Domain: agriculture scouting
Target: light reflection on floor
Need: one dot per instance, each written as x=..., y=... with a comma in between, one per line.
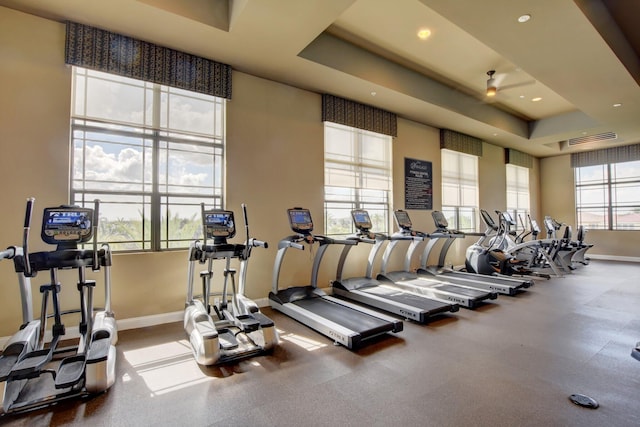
x=170, y=366
x=304, y=342
x=166, y=367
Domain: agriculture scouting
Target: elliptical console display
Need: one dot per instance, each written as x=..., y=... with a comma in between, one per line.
x=71, y=224
x=219, y=223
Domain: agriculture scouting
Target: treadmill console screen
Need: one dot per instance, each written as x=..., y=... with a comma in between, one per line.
x=402, y=219
x=361, y=219
x=219, y=223
x=67, y=224
x=300, y=220
x=440, y=220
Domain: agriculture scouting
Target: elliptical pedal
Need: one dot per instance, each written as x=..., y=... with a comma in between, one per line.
x=265, y=322
x=70, y=371
x=31, y=365
x=99, y=349
x=11, y=355
x=227, y=340
x=247, y=323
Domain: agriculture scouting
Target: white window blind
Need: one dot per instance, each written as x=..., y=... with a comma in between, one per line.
x=357, y=176
x=460, y=189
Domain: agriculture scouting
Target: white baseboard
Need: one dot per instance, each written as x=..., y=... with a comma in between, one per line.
x=133, y=323
x=614, y=258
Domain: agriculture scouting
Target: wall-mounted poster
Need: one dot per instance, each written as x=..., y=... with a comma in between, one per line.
x=418, y=185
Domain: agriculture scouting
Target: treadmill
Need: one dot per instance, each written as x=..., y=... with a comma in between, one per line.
x=500, y=284
x=344, y=322
x=383, y=296
x=408, y=280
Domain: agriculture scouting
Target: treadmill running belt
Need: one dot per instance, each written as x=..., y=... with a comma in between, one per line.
x=358, y=322
x=472, y=293
x=405, y=298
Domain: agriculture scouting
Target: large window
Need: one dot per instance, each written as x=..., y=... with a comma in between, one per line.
x=357, y=176
x=150, y=153
x=518, y=193
x=608, y=196
x=460, y=190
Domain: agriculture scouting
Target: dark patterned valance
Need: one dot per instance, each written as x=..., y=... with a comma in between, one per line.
x=456, y=141
x=361, y=116
x=518, y=158
x=101, y=50
x=622, y=154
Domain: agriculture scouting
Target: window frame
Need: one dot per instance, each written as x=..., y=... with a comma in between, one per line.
x=608, y=185
x=161, y=200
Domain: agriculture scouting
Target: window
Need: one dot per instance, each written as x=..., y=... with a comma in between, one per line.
x=460, y=190
x=608, y=196
x=150, y=153
x=357, y=176
x=518, y=193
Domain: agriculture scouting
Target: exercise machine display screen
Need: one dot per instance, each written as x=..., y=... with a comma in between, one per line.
x=487, y=219
x=403, y=220
x=361, y=219
x=508, y=218
x=67, y=224
x=440, y=220
x=300, y=220
x=219, y=223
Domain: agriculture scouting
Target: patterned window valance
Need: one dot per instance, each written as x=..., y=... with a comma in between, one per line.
x=518, y=158
x=622, y=154
x=456, y=141
x=361, y=116
x=113, y=53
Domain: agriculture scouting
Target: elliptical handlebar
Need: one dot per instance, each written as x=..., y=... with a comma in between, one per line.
x=25, y=237
x=96, y=216
x=258, y=243
x=9, y=253
x=250, y=242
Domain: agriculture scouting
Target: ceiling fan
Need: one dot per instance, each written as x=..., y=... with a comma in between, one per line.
x=493, y=83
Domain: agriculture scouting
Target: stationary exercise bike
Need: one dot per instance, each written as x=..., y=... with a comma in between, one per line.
x=240, y=329
x=35, y=373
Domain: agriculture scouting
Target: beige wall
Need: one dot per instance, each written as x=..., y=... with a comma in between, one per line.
x=558, y=201
x=274, y=161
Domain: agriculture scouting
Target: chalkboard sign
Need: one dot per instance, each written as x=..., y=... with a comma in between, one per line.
x=418, y=185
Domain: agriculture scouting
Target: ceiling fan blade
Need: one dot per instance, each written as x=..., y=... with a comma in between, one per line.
x=515, y=85
x=498, y=78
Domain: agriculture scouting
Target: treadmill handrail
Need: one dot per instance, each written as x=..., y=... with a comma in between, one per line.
x=376, y=241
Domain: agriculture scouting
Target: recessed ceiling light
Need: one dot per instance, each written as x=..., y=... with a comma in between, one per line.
x=424, y=34
x=495, y=134
x=524, y=18
x=536, y=99
x=374, y=93
x=617, y=105
x=521, y=96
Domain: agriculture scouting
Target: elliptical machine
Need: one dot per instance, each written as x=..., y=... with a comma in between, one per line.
x=490, y=259
x=240, y=330
x=26, y=362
